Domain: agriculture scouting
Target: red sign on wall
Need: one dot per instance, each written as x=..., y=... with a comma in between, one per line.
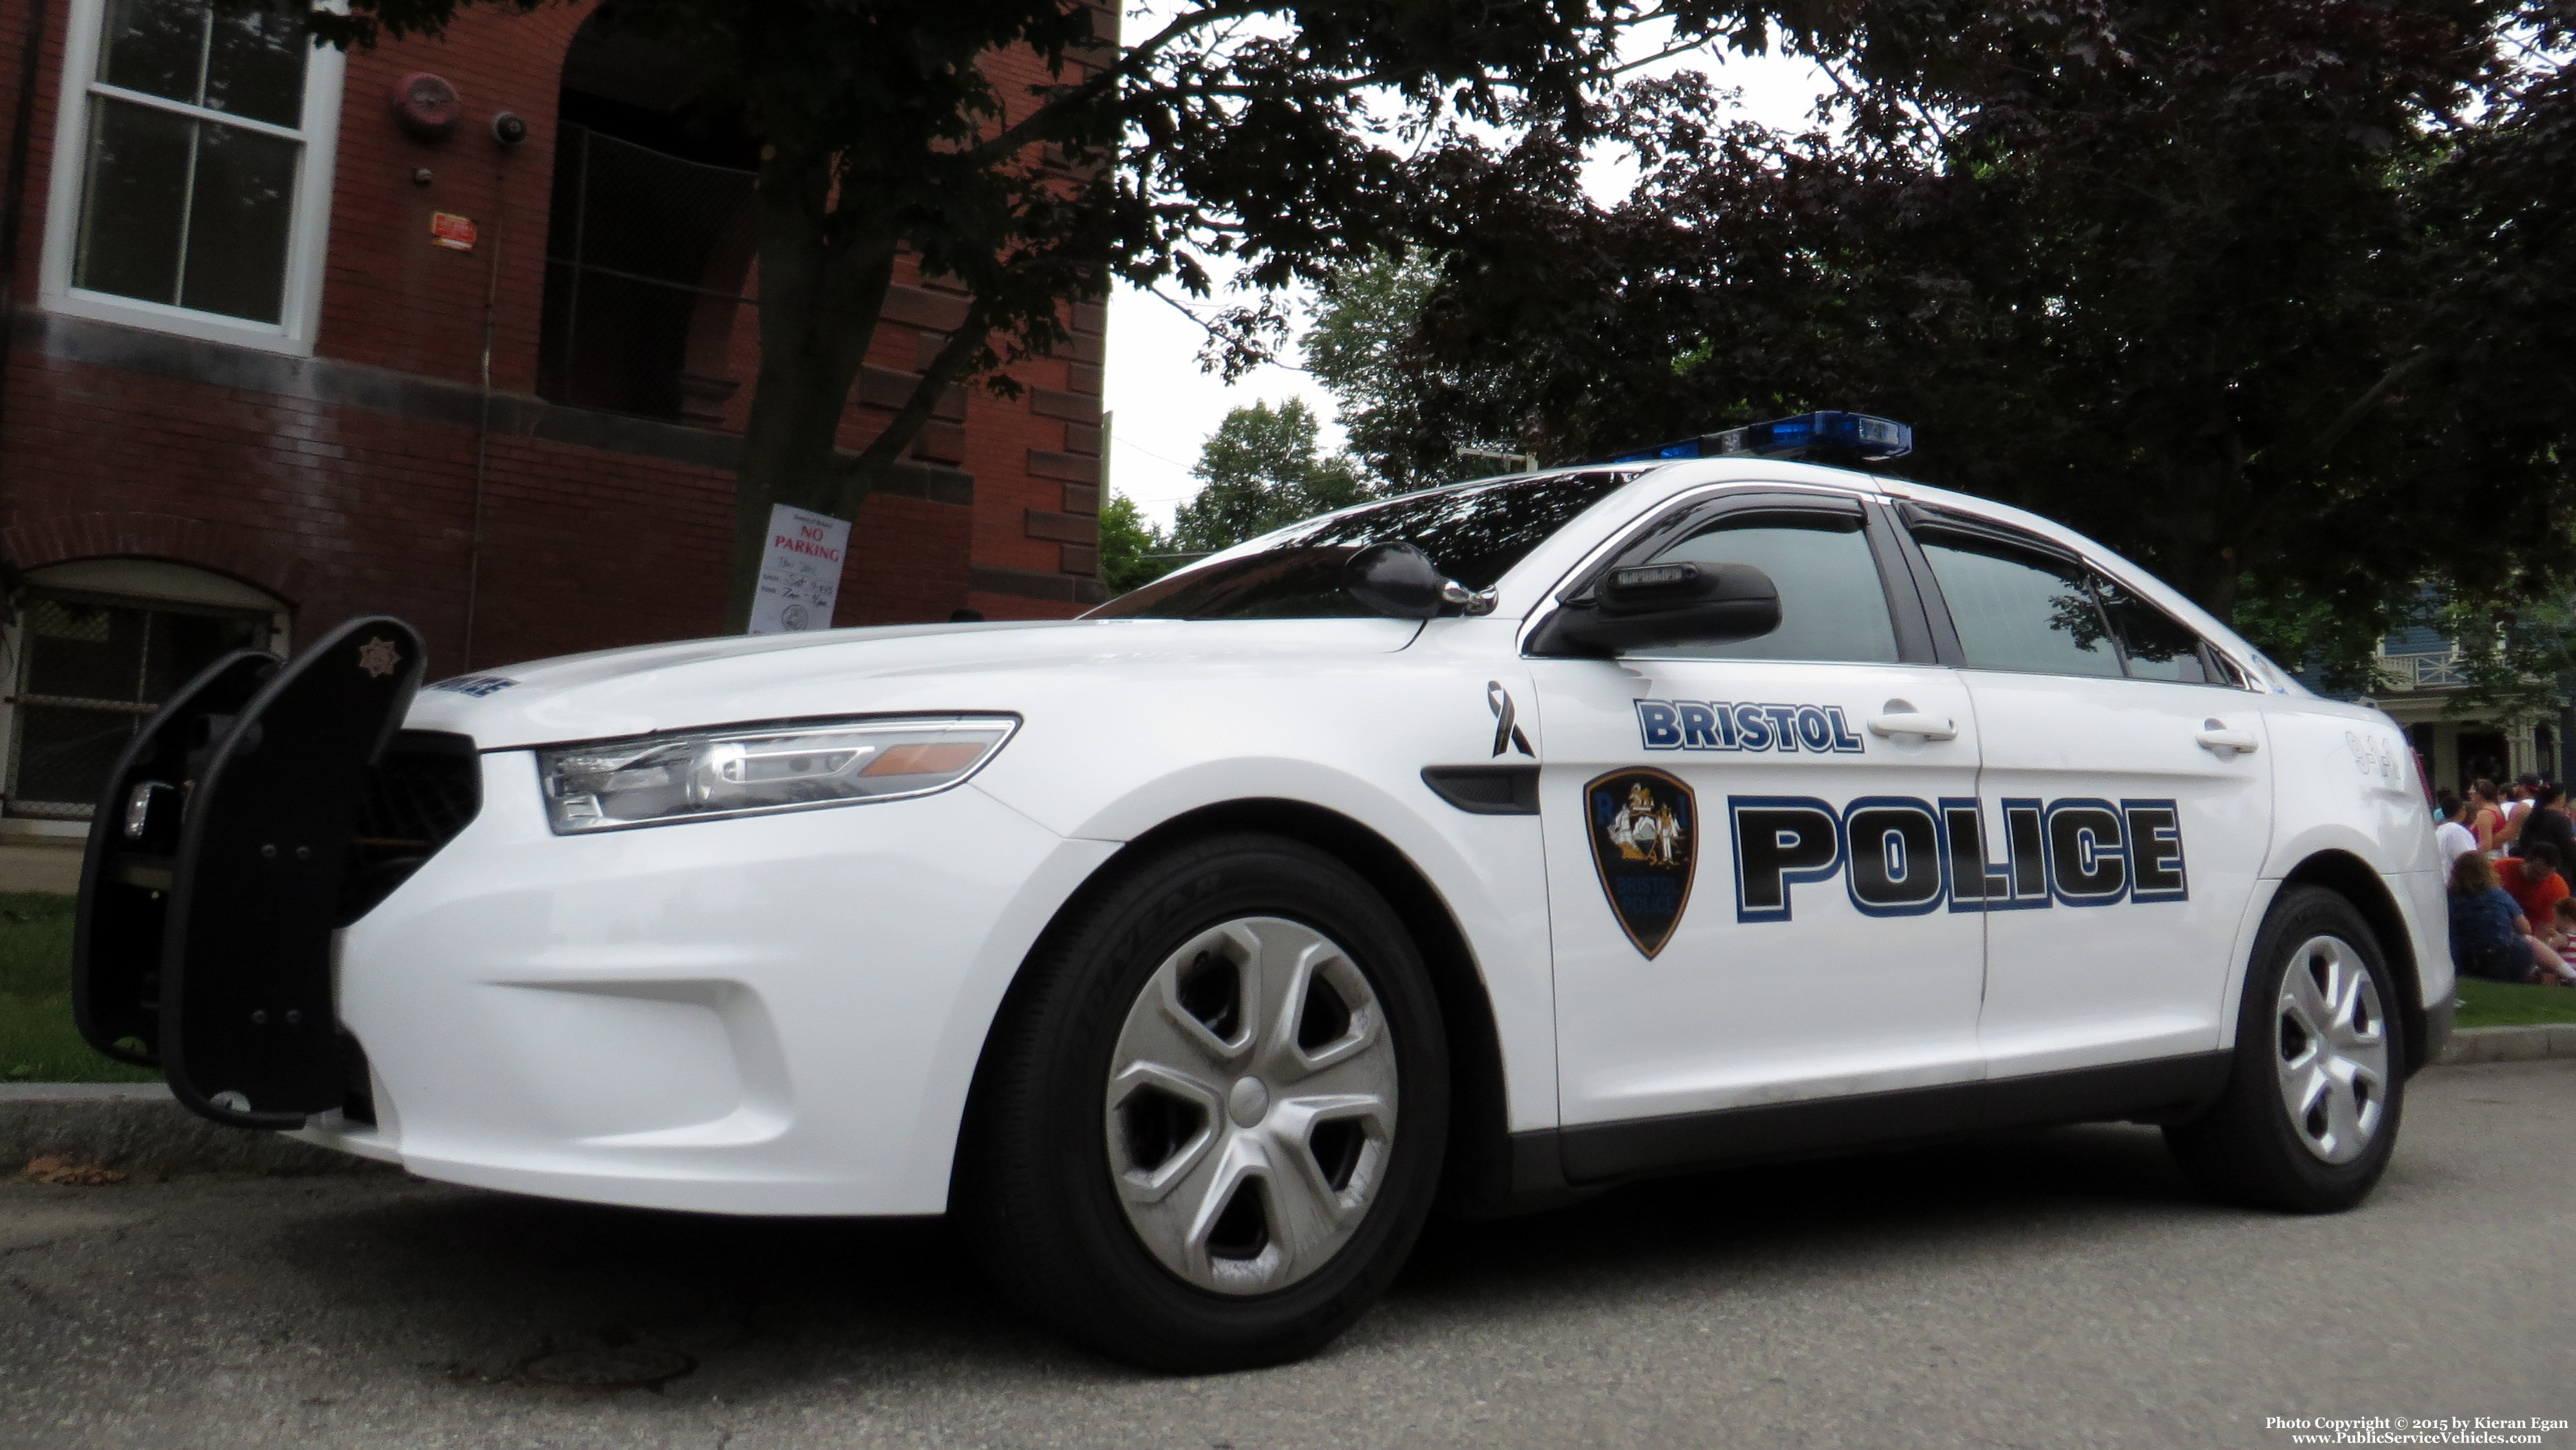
x=447, y=229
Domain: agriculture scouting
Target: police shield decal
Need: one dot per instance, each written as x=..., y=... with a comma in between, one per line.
x=1644, y=828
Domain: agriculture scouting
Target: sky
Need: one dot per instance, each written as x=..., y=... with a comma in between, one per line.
x=1163, y=406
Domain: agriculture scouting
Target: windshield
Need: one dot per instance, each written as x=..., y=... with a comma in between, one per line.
x=1473, y=534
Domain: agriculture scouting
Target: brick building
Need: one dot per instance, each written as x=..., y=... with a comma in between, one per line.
x=293, y=335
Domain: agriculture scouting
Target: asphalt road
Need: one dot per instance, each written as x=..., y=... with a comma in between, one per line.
x=2044, y=1290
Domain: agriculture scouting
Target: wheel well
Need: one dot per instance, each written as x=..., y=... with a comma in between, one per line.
x=1478, y=1160
x=2351, y=878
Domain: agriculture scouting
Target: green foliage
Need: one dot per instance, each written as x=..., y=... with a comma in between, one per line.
x=1258, y=471
x=2235, y=288
x=1127, y=538
x=1363, y=313
x=2303, y=632
x=1409, y=411
x=38, y=1042
x=2519, y=659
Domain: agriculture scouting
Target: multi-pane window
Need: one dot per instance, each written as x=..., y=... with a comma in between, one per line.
x=90, y=671
x=193, y=156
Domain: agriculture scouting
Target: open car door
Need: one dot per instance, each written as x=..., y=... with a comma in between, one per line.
x=219, y=865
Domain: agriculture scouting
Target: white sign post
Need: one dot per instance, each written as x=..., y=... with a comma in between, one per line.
x=800, y=571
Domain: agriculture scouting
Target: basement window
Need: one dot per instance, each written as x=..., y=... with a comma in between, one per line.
x=89, y=668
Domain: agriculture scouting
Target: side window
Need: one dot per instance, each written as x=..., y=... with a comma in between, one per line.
x=1832, y=605
x=2159, y=647
x=2021, y=611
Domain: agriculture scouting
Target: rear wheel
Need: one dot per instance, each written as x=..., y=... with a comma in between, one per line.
x=2310, y=1113
x=1210, y=1125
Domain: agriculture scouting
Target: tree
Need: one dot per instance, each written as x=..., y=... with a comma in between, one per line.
x=1280, y=135
x=2212, y=283
x=1364, y=312
x=1128, y=540
x=1259, y=471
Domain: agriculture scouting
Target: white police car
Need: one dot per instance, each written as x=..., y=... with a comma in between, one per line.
x=1481, y=846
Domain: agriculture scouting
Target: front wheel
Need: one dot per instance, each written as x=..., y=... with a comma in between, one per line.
x=2310, y=1113
x=1210, y=1123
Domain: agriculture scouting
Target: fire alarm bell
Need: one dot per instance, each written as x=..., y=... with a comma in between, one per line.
x=426, y=106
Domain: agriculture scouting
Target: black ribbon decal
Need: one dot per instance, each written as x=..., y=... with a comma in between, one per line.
x=1507, y=730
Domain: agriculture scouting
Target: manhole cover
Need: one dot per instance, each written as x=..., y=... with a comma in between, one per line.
x=612, y=1367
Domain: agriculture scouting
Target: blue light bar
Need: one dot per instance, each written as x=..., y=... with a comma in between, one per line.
x=1829, y=434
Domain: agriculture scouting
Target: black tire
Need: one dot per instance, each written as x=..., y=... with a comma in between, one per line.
x=2248, y=1149
x=1036, y=1196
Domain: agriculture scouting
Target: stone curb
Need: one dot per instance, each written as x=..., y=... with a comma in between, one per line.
x=2510, y=1044
x=138, y=1129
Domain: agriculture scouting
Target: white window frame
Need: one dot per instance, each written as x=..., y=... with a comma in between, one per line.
x=308, y=226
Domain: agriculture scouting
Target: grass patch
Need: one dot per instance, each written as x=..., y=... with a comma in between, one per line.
x=37, y=1040
x=2504, y=1004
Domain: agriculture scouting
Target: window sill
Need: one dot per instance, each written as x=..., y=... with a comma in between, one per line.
x=204, y=326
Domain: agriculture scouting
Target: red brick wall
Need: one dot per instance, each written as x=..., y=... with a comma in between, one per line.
x=341, y=509
x=390, y=297
x=16, y=19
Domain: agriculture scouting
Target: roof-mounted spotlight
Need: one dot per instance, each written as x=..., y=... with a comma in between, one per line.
x=1829, y=437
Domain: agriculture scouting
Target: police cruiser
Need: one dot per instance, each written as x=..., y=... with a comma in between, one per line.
x=1479, y=847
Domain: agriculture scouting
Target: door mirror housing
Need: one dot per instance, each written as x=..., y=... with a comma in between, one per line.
x=1400, y=582
x=1642, y=605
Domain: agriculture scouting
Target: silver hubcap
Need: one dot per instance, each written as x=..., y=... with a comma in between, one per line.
x=1251, y=1104
x=2331, y=1050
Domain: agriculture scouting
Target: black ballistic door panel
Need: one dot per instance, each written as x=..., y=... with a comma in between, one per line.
x=248, y=1034
x=133, y=846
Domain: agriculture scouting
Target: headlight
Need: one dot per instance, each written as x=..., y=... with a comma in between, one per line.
x=697, y=775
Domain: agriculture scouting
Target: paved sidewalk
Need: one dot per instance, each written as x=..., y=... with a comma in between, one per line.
x=2047, y=1289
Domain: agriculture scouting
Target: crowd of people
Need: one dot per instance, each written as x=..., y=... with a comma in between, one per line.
x=2513, y=918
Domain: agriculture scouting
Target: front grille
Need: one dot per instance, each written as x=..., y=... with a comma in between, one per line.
x=426, y=788
x=421, y=794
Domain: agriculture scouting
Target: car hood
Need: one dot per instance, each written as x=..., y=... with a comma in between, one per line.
x=930, y=667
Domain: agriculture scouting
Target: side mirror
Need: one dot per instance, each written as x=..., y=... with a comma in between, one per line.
x=1643, y=605
x=1401, y=582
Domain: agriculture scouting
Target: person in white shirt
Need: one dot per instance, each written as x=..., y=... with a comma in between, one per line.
x=2517, y=801
x=2454, y=835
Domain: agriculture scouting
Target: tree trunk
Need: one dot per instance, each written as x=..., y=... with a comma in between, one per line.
x=2216, y=588
x=822, y=289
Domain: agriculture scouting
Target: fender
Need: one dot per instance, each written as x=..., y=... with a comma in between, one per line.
x=1480, y=867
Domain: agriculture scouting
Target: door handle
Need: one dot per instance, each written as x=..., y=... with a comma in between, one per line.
x=2215, y=737
x=1929, y=727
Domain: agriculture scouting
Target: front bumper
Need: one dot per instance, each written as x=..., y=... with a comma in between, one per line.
x=777, y=1014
